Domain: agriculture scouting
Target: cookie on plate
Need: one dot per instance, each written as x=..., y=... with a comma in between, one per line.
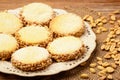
x=8, y=44
x=33, y=35
x=31, y=58
x=37, y=13
x=9, y=23
x=66, y=48
x=67, y=24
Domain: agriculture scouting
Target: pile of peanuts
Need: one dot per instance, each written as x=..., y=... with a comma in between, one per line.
x=110, y=45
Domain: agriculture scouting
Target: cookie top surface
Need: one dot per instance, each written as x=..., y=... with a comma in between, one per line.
x=34, y=34
x=66, y=24
x=30, y=54
x=7, y=43
x=37, y=12
x=65, y=45
x=9, y=23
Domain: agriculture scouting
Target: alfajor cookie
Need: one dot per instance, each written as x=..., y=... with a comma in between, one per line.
x=37, y=13
x=8, y=44
x=31, y=58
x=33, y=35
x=66, y=48
x=9, y=23
x=67, y=24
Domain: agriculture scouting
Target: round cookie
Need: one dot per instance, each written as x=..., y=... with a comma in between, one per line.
x=33, y=35
x=67, y=24
x=66, y=48
x=31, y=58
x=8, y=44
x=37, y=13
x=9, y=23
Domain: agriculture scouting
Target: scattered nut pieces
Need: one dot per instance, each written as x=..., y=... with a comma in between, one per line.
x=93, y=65
x=111, y=44
x=100, y=67
x=98, y=31
x=113, y=65
x=84, y=76
x=98, y=20
x=111, y=22
x=100, y=62
x=107, y=56
x=90, y=19
x=102, y=73
x=109, y=76
x=102, y=78
x=83, y=64
x=93, y=25
x=109, y=69
x=118, y=22
x=100, y=24
x=92, y=70
x=99, y=13
x=104, y=21
x=99, y=59
x=116, y=12
x=105, y=64
x=85, y=17
x=103, y=47
x=113, y=17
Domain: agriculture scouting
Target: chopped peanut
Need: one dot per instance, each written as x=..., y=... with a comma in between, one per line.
x=100, y=67
x=109, y=69
x=93, y=65
x=92, y=70
x=113, y=17
x=109, y=76
x=99, y=59
x=113, y=65
x=105, y=64
x=84, y=76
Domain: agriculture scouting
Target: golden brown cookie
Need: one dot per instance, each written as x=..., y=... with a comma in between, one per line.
x=37, y=13
x=8, y=44
x=9, y=23
x=31, y=58
x=33, y=35
x=67, y=24
x=66, y=48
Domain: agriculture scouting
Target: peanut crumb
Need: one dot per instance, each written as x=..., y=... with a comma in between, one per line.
x=111, y=22
x=84, y=76
x=99, y=13
x=113, y=17
x=102, y=73
x=85, y=17
x=100, y=67
x=113, y=65
x=99, y=59
x=92, y=70
x=107, y=56
x=93, y=65
x=109, y=76
x=105, y=64
x=102, y=78
x=100, y=62
x=116, y=12
x=83, y=64
x=109, y=69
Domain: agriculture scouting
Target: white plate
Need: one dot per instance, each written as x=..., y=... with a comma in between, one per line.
x=88, y=38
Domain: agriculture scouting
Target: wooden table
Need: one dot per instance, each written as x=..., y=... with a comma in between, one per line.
x=104, y=6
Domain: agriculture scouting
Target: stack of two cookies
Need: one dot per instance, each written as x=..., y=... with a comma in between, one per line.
x=44, y=37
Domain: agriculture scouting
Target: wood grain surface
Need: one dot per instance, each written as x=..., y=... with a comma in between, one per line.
x=104, y=6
